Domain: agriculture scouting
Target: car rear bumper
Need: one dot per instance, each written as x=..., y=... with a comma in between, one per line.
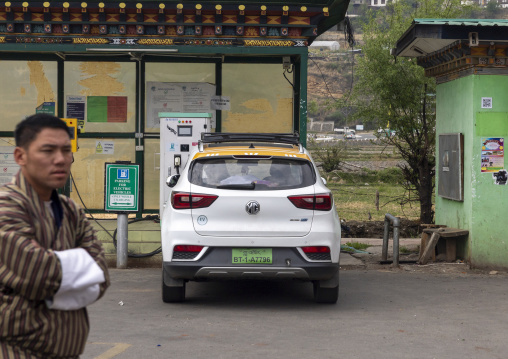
x=287, y=263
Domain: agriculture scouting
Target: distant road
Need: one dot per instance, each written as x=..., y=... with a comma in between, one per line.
x=359, y=136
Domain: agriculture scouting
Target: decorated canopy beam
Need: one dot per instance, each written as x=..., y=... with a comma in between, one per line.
x=451, y=48
x=168, y=23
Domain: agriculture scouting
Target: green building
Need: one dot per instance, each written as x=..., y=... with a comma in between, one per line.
x=469, y=59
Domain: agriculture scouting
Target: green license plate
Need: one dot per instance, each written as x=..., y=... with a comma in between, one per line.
x=252, y=256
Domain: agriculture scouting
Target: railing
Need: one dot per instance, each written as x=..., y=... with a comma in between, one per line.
x=396, y=223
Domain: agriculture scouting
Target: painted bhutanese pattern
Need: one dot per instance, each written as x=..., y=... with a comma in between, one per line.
x=151, y=17
x=155, y=42
x=90, y=41
x=56, y=16
x=299, y=20
x=269, y=43
x=229, y=19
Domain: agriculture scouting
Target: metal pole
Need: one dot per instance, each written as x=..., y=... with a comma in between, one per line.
x=396, y=244
x=122, y=240
x=384, y=253
x=396, y=223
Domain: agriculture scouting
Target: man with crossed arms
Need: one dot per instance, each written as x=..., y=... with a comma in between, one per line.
x=51, y=263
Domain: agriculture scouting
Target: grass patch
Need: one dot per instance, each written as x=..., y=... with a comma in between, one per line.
x=406, y=250
x=357, y=202
x=358, y=245
x=369, y=194
x=389, y=175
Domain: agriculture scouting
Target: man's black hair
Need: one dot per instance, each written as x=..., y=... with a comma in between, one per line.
x=29, y=128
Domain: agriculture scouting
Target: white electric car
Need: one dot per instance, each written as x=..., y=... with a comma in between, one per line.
x=250, y=206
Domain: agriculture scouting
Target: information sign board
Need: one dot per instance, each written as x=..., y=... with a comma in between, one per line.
x=121, y=187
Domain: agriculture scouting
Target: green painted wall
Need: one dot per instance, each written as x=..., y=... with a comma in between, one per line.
x=485, y=207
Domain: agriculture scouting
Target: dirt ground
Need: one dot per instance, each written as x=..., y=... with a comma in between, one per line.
x=408, y=257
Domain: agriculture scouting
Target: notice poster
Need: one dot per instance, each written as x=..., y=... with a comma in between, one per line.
x=76, y=108
x=492, y=154
x=193, y=97
x=106, y=109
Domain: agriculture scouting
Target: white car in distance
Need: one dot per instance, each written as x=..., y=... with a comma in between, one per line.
x=250, y=206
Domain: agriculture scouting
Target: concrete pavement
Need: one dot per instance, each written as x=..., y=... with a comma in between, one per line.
x=384, y=313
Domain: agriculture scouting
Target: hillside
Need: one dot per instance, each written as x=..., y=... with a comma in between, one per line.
x=329, y=75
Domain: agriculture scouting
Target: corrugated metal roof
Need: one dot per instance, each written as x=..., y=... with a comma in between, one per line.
x=462, y=22
x=325, y=43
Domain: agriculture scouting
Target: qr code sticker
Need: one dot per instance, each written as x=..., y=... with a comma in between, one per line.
x=486, y=102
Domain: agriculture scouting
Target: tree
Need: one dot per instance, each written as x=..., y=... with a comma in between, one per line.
x=493, y=8
x=329, y=155
x=394, y=92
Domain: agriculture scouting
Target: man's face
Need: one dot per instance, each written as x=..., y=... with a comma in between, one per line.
x=46, y=163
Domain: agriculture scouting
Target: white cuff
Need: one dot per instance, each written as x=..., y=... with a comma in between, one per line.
x=73, y=300
x=81, y=277
x=79, y=270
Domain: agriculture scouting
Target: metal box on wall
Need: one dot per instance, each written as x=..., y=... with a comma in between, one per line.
x=451, y=166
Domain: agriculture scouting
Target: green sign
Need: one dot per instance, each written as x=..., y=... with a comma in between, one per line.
x=122, y=187
x=46, y=107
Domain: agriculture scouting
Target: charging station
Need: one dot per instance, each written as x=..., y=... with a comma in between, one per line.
x=179, y=133
x=72, y=123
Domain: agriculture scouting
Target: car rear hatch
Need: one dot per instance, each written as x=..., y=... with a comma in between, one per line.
x=252, y=196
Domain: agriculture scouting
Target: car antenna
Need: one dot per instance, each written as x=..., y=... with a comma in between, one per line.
x=252, y=145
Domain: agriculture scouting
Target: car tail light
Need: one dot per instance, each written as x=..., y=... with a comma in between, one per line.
x=185, y=200
x=318, y=202
x=316, y=249
x=186, y=248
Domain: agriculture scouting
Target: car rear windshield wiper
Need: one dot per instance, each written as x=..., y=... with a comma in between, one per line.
x=251, y=185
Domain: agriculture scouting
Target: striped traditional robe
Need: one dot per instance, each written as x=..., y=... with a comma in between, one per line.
x=30, y=273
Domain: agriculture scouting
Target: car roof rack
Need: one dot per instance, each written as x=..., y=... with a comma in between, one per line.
x=219, y=137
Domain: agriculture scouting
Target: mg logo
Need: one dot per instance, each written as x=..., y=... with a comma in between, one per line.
x=252, y=207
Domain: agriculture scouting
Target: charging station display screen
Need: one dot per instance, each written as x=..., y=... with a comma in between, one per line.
x=71, y=132
x=185, y=131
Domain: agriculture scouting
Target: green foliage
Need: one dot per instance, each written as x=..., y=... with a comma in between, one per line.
x=493, y=8
x=406, y=250
x=394, y=92
x=328, y=155
x=312, y=108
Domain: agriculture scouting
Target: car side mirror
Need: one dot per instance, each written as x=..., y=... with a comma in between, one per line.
x=324, y=181
x=171, y=181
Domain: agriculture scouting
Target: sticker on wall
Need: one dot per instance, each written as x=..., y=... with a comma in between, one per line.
x=492, y=154
x=171, y=146
x=46, y=107
x=500, y=177
x=104, y=148
x=222, y=103
x=486, y=102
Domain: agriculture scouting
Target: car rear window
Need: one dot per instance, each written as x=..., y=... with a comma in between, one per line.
x=262, y=174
